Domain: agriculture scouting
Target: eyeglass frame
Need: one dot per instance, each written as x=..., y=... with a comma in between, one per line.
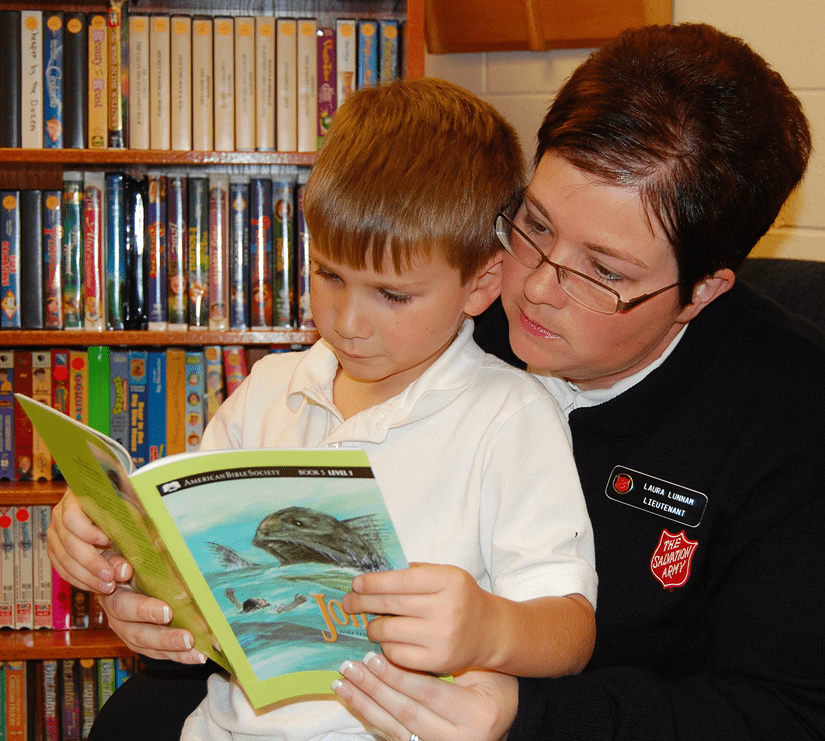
x=621, y=306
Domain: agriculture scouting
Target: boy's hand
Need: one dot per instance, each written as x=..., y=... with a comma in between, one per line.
x=434, y=618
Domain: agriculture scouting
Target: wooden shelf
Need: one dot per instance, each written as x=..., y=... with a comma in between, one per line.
x=60, y=644
x=27, y=493
x=140, y=338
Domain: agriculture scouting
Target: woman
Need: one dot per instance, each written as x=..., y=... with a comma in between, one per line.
x=695, y=408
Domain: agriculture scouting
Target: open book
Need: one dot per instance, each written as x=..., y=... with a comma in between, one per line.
x=253, y=549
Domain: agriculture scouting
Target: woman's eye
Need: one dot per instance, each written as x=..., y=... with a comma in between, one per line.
x=534, y=227
x=393, y=297
x=605, y=274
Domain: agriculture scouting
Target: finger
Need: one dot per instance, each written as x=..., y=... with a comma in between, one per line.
x=387, y=604
x=79, y=563
x=418, y=579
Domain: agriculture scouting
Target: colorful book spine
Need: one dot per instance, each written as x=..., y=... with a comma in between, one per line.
x=94, y=278
x=52, y=221
x=175, y=401
x=53, y=32
x=138, y=81
x=7, y=415
x=16, y=716
x=138, y=380
x=41, y=391
x=98, y=121
x=245, y=137
x=214, y=380
x=156, y=236
x=234, y=363
x=195, y=389
x=303, y=248
x=99, y=379
x=72, y=263
x=160, y=134
x=76, y=81
x=119, y=396
x=42, y=586
x=265, y=83
x=388, y=56
x=286, y=85
x=23, y=430
x=24, y=563
x=88, y=696
x=260, y=253
x=219, y=252
x=60, y=388
x=198, y=253
x=223, y=61
x=345, y=56
x=124, y=669
x=116, y=275
x=327, y=82
x=180, y=81
x=10, y=261
x=114, y=56
x=61, y=602
x=156, y=405
x=70, y=699
x=32, y=261
x=239, y=252
x=105, y=680
x=283, y=191
x=177, y=265
x=51, y=700
x=31, y=87
x=8, y=571
x=203, y=105
x=135, y=208
x=307, y=85
x=79, y=385
x=367, y=53
x=10, y=77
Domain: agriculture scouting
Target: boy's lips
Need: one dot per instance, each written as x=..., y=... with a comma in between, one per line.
x=535, y=329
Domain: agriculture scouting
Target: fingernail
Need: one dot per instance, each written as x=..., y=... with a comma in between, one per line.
x=341, y=689
x=121, y=571
x=375, y=662
x=345, y=667
x=201, y=657
x=106, y=587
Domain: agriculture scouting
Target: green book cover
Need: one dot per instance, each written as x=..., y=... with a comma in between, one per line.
x=99, y=388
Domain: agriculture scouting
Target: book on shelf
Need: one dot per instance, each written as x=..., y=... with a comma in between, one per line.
x=76, y=80
x=10, y=78
x=98, y=111
x=260, y=253
x=264, y=83
x=367, y=54
x=52, y=221
x=117, y=279
x=31, y=84
x=175, y=401
x=156, y=238
x=42, y=614
x=99, y=380
x=345, y=56
x=194, y=392
x=119, y=396
x=286, y=85
x=53, y=86
x=138, y=45
x=115, y=114
x=180, y=81
x=245, y=136
x=135, y=210
x=307, y=69
x=269, y=594
x=138, y=396
x=239, y=252
x=327, y=82
x=198, y=283
x=24, y=566
x=72, y=262
x=42, y=391
x=23, y=432
x=10, y=270
x=32, y=261
x=94, y=263
x=303, y=262
x=155, y=404
x=160, y=134
x=177, y=254
x=215, y=394
x=283, y=198
x=8, y=571
x=223, y=61
x=7, y=415
x=203, y=109
x=389, y=54
x=218, y=297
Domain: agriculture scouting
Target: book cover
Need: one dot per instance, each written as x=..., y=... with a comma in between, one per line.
x=7, y=415
x=60, y=389
x=245, y=137
x=94, y=278
x=260, y=253
x=235, y=370
x=388, y=56
x=42, y=391
x=180, y=81
x=10, y=78
x=367, y=54
x=286, y=85
x=198, y=253
x=61, y=602
x=75, y=80
x=114, y=61
x=10, y=260
x=119, y=396
x=42, y=585
x=24, y=563
x=283, y=196
x=219, y=251
x=137, y=258
x=88, y=695
x=31, y=84
x=99, y=381
x=70, y=699
x=79, y=385
x=264, y=83
x=53, y=32
x=156, y=236
x=177, y=246
x=307, y=85
x=327, y=82
x=223, y=61
x=138, y=81
x=98, y=111
x=81, y=606
x=117, y=279
x=32, y=261
x=215, y=393
x=303, y=249
x=72, y=262
x=105, y=680
x=8, y=571
x=51, y=700
x=345, y=56
x=239, y=252
x=138, y=381
x=124, y=669
x=156, y=404
x=203, y=106
x=194, y=392
x=175, y=401
x=52, y=222
x=23, y=432
x=160, y=134
x=16, y=701
x=274, y=610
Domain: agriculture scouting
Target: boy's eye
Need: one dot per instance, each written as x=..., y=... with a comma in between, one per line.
x=322, y=272
x=394, y=297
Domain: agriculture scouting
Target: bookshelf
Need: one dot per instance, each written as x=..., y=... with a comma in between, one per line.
x=43, y=169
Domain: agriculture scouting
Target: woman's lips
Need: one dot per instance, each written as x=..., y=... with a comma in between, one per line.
x=537, y=330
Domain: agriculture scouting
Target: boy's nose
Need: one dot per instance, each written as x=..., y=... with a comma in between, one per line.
x=350, y=320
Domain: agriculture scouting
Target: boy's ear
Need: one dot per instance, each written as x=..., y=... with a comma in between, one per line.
x=486, y=287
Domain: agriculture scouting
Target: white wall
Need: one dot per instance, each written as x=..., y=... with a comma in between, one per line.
x=790, y=34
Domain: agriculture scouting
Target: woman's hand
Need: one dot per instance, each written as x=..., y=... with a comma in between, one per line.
x=480, y=706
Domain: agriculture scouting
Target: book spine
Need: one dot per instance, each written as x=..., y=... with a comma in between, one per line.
x=260, y=249
x=72, y=263
x=219, y=252
x=119, y=396
x=156, y=405
x=94, y=279
x=345, y=56
x=70, y=699
x=327, y=82
x=177, y=245
x=159, y=97
x=137, y=258
x=114, y=52
x=98, y=122
x=367, y=65
x=52, y=220
x=31, y=84
x=203, y=107
x=24, y=558
x=105, y=680
x=99, y=379
x=307, y=85
x=8, y=572
x=265, y=83
x=88, y=696
x=124, y=70
x=284, y=245
x=53, y=32
x=42, y=392
x=180, y=82
x=175, y=401
x=10, y=263
x=139, y=82
x=138, y=447
x=61, y=602
x=235, y=370
x=23, y=430
x=239, y=253
x=245, y=135
x=195, y=388
x=116, y=276
x=51, y=701
x=79, y=385
x=7, y=415
x=286, y=83
x=3, y=736
x=198, y=252
x=60, y=388
x=214, y=380
x=10, y=75
x=156, y=236
x=31, y=260
x=42, y=587
x=303, y=248
x=224, y=84
x=388, y=58
x=76, y=81
x=16, y=701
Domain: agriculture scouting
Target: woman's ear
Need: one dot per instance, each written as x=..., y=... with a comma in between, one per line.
x=486, y=287
x=706, y=291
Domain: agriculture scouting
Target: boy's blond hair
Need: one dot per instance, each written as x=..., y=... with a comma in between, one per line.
x=409, y=166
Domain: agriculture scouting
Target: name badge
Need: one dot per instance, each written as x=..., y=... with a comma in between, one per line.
x=656, y=496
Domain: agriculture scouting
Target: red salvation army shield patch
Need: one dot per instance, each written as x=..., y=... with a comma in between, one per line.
x=672, y=558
